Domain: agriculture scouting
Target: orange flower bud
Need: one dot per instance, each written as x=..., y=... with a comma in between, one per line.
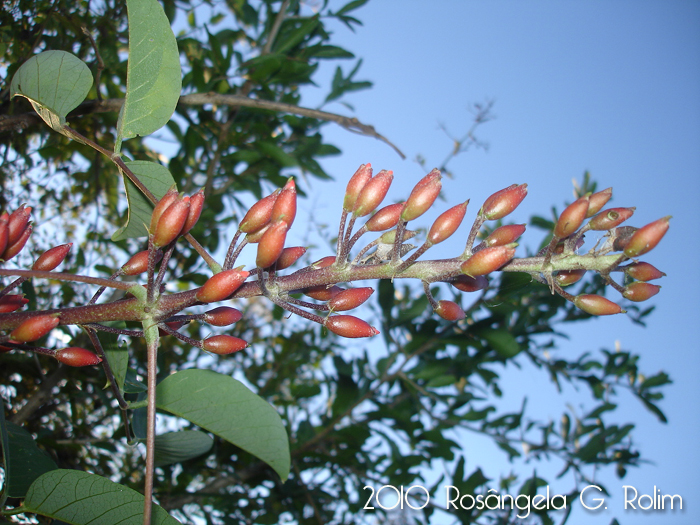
x=449, y=310
x=222, y=316
x=643, y=271
x=323, y=262
x=422, y=196
x=16, y=247
x=17, y=223
x=221, y=286
x=597, y=305
x=640, y=291
x=386, y=218
x=271, y=244
x=503, y=202
x=609, y=219
x=34, y=328
x=349, y=326
x=572, y=217
x=75, y=356
x=569, y=277
x=163, y=204
x=4, y=231
x=285, y=207
x=12, y=303
x=139, y=263
x=259, y=214
x=289, y=256
x=373, y=193
x=487, y=260
x=447, y=223
x=647, y=237
x=349, y=299
x=52, y=258
x=504, y=235
x=223, y=344
x=361, y=177
x=171, y=222
x=196, y=205
x=597, y=201
x=465, y=283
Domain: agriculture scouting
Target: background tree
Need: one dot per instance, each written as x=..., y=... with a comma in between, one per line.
x=353, y=419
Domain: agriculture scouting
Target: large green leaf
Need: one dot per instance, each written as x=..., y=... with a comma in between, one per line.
x=174, y=447
x=81, y=498
x=224, y=406
x=55, y=82
x=27, y=461
x=158, y=180
x=118, y=356
x=501, y=341
x=154, y=80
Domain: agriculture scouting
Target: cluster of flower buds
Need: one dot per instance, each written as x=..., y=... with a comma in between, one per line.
x=15, y=230
x=174, y=215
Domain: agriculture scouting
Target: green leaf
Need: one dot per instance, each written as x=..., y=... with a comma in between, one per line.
x=55, y=82
x=225, y=407
x=351, y=6
x=81, y=498
x=501, y=341
x=158, y=180
x=27, y=461
x=174, y=447
x=118, y=356
x=154, y=78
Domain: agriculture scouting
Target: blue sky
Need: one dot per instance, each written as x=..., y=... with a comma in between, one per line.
x=610, y=87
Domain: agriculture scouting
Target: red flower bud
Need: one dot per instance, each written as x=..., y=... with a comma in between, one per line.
x=569, y=277
x=373, y=193
x=253, y=238
x=386, y=218
x=17, y=223
x=322, y=292
x=259, y=214
x=34, y=328
x=487, y=260
x=220, y=286
x=223, y=344
x=323, y=262
x=290, y=256
x=12, y=303
x=16, y=247
x=171, y=222
x=422, y=196
x=504, y=235
x=222, y=316
x=609, y=219
x=285, y=207
x=447, y=223
x=572, y=217
x=75, y=356
x=349, y=299
x=361, y=177
x=196, y=205
x=597, y=305
x=52, y=258
x=271, y=244
x=469, y=284
x=4, y=231
x=163, y=204
x=597, y=201
x=640, y=291
x=643, y=271
x=139, y=263
x=449, y=310
x=647, y=237
x=349, y=326
x=503, y=202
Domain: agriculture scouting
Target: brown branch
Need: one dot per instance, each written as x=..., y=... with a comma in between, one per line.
x=25, y=120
